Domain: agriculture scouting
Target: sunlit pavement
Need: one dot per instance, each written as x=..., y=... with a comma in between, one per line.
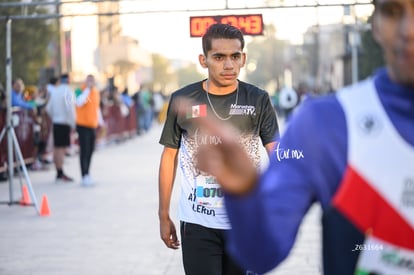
x=111, y=228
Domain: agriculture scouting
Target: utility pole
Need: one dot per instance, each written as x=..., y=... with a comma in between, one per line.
x=59, y=38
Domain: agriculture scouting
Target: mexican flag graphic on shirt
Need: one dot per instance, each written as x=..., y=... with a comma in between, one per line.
x=197, y=111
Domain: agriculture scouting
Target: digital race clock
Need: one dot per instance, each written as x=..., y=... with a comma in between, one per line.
x=249, y=24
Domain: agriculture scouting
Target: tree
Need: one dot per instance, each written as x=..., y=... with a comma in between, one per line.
x=265, y=58
x=162, y=72
x=188, y=74
x=29, y=42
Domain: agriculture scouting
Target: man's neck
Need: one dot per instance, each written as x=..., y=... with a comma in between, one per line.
x=219, y=90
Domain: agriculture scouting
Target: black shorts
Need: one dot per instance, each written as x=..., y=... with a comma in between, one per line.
x=61, y=135
x=204, y=251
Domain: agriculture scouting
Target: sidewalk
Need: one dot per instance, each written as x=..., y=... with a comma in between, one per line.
x=111, y=228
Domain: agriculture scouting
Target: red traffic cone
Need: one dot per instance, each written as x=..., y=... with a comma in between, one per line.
x=44, y=208
x=25, y=200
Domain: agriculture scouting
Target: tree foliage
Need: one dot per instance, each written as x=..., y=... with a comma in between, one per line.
x=265, y=58
x=29, y=42
x=162, y=73
x=188, y=74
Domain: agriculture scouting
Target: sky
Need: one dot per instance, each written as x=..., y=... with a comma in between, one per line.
x=167, y=33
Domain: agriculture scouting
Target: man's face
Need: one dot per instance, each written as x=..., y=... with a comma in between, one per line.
x=393, y=28
x=224, y=61
x=90, y=81
x=18, y=86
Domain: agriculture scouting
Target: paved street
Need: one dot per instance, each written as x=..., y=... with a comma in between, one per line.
x=112, y=228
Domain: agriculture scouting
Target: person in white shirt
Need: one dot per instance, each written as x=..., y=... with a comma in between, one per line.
x=61, y=109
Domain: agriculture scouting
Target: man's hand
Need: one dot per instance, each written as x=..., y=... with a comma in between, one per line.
x=168, y=233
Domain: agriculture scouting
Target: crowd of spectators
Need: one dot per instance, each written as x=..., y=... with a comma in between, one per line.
x=138, y=111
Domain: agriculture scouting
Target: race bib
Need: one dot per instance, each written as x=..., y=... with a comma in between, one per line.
x=382, y=258
x=208, y=192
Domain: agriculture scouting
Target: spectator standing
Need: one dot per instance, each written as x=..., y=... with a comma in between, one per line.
x=35, y=98
x=203, y=219
x=145, y=110
x=126, y=98
x=49, y=88
x=88, y=118
x=138, y=111
x=125, y=102
x=17, y=95
x=18, y=100
x=158, y=100
x=61, y=109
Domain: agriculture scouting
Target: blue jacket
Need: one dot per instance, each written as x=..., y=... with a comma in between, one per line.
x=265, y=223
x=18, y=101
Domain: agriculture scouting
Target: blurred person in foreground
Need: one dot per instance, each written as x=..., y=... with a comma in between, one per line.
x=61, y=109
x=358, y=166
x=203, y=219
x=88, y=118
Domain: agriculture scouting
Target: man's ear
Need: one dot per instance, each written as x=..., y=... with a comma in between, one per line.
x=202, y=60
x=244, y=56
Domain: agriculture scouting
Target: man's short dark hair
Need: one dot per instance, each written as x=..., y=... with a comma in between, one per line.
x=53, y=80
x=217, y=31
x=64, y=78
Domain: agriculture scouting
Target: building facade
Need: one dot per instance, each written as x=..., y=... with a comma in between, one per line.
x=92, y=42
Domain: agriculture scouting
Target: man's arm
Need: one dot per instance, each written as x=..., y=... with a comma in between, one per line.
x=269, y=126
x=18, y=101
x=82, y=98
x=167, y=172
x=270, y=147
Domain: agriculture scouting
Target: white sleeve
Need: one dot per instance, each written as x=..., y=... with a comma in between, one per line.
x=83, y=97
x=70, y=103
